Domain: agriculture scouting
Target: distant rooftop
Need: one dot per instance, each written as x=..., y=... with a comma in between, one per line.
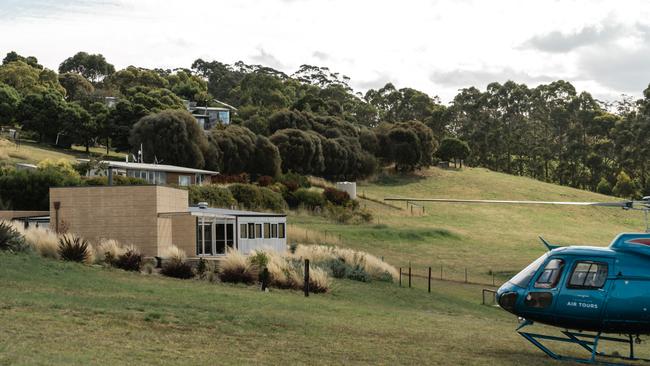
x=154, y=167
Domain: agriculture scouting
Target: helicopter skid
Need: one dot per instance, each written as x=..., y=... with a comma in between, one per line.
x=589, y=342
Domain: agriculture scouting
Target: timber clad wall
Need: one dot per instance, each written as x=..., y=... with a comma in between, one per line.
x=128, y=214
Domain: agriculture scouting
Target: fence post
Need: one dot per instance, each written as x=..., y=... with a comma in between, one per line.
x=465, y=274
x=429, y=279
x=400, y=276
x=306, y=285
x=409, y=275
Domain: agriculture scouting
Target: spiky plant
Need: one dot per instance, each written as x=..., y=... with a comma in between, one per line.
x=10, y=239
x=73, y=248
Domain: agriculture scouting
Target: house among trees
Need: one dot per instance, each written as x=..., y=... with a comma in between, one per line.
x=208, y=117
x=153, y=173
x=153, y=218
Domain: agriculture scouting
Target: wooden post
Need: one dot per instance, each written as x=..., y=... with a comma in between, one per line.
x=265, y=279
x=409, y=275
x=429, y=279
x=306, y=285
x=400, y=276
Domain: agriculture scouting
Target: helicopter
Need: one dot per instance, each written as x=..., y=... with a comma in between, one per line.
x=593, y=293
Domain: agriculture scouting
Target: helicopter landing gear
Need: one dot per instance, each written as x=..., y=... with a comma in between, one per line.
x=588, y=342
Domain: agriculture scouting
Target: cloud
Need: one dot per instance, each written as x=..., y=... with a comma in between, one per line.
x=558, y=42
x=267, y=59
x=377, y=82
x=480, y=78
x=321, y=55
x=21, y=9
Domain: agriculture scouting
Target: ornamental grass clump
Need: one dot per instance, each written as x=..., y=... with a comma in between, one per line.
x=288, y=273
x=75, y=249
x=42, y=241
x=236, y=268
x=11, y=239
x=176, y=264
x=107, y=251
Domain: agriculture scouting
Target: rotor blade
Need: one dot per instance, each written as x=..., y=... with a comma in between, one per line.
x=624, y=204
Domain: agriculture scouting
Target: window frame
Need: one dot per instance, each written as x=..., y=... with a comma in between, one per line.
x=282, y=230
x=267, y=230
x=556, y=280
x=591, y=263
x=243, y=231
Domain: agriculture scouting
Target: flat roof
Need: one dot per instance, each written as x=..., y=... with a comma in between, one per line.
x=236, y=213
x=154, y=167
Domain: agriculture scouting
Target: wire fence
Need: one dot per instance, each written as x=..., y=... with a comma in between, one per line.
x=423, y=277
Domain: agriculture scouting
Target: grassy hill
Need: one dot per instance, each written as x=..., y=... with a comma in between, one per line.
x=483, y=238
x=53, y=312
x=33, y=153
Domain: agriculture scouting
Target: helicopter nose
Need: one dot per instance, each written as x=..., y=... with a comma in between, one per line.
x=507, y=297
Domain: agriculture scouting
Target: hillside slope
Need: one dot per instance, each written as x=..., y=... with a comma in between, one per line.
x=483, y=238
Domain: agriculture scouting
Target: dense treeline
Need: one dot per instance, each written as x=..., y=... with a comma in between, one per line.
x=312, y=122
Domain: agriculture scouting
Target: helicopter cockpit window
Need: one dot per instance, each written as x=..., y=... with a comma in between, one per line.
x=522, y=279
x=588, y=275
x=551, y=274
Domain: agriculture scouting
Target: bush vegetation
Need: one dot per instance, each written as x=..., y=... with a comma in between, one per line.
x=236, y=268
x=348, y=263
x=75, y=249
x=213, y=194
x=10, y=238
x=176, y=264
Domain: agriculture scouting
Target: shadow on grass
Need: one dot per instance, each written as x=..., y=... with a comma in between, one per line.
x=393, y=179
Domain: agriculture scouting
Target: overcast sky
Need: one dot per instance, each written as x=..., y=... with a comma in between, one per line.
x=434, y=46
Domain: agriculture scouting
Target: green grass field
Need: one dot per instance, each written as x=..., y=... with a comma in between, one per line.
x=60, y=313
x=33, y=153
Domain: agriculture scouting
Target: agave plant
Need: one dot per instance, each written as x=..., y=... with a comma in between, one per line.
x=73, y=248
x=10, y=239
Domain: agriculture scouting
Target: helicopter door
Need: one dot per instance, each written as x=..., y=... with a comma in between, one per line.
x=541, y=296
x=582, y=298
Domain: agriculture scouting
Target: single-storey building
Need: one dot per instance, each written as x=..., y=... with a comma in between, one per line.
x=154, y=173
x=154, y=217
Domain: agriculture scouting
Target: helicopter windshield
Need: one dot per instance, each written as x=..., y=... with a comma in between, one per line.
x=522, y=279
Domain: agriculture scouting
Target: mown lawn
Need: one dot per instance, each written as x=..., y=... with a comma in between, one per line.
x=33, y=153
x=56, y=313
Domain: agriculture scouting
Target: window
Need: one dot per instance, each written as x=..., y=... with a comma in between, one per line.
x=258, y=230
x=251, y=231
x=588, y=275
x=522, y=279
x=230, y=235
x=267, y=230
x=204, y=242
x=274, y=230
x=184, y=180
x=551, y=274
x=281, y=230
x=221, y=238
x=243, y=231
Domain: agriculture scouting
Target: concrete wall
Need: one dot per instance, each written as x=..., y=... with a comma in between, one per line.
x=128, y=214
x=184, y=233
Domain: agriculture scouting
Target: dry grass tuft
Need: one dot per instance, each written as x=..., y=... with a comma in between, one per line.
x=42, y=241
x=108, y=249
x=372, y=265
x=174, y=253
x=236, y=268
x=297, y=234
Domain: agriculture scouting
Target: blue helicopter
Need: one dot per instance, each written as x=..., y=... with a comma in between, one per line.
x=594, y=293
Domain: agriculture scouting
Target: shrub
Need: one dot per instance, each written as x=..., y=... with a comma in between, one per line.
x=294, y=181
x=108, y=251
x=201, y=268
x=604, y=187
x=308, y=198
x=265, y=181
x=235, y=268
x=75, y=249
x=118, y=180
x=247, y=195
x=212, y=194
x=177, y=269
x=272, y=200
x=355, y=265
x=10, y=239
x=130, y=260
x=258, y=259
x=176, y=265
x=336, y=197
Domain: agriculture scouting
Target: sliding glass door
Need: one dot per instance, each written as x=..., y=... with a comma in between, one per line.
x=214, y=236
